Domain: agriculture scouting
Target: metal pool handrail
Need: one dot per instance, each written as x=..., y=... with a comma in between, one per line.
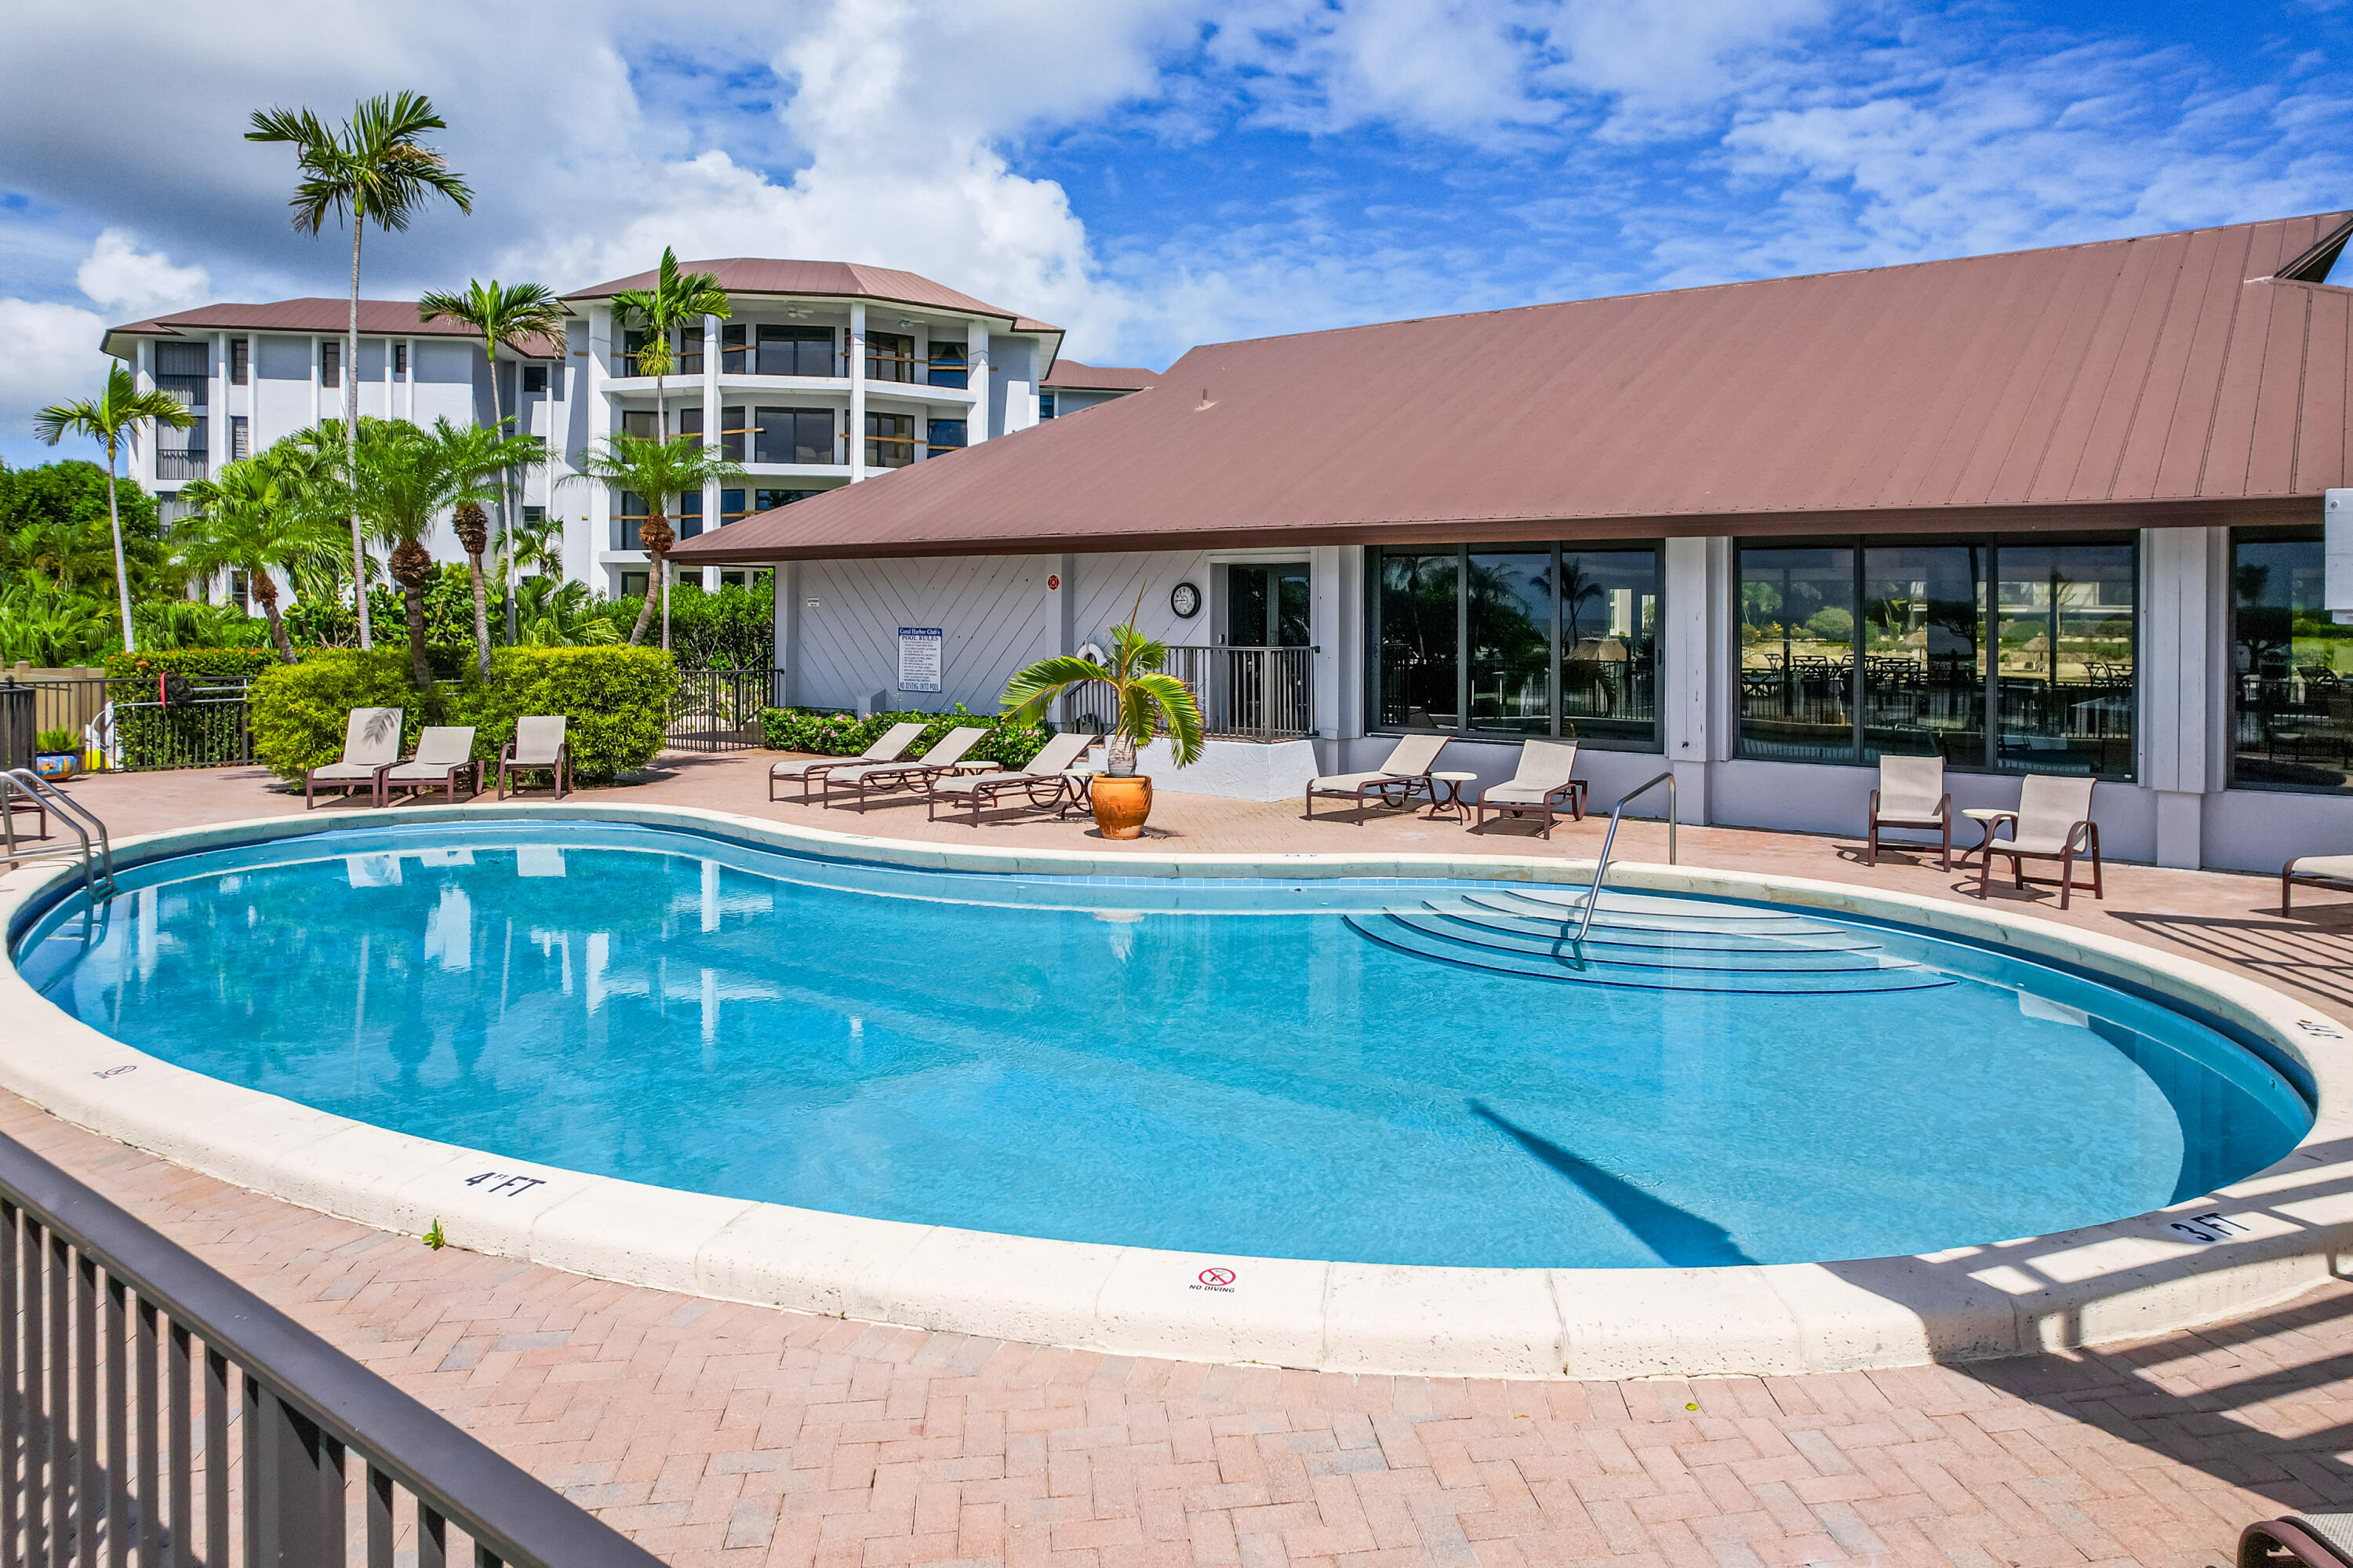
x=304, y=1405
x=97, y=875
x=1601, y=866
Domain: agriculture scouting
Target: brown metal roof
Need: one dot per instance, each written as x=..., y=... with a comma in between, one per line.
x=378, y=318
x=762, y=275
x=2131, y=382
x=1069, y=374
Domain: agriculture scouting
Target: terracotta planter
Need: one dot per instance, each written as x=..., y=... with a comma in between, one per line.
x=1121, y=804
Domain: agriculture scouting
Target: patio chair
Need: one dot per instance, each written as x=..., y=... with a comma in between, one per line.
x=1541, y=783
x=1397, y=781
x=1910, y=794
x=371, y=747
x=539, y=744
x=443, y=753
x=889, y=747
x=2053, y=822
x=2333, y=872
x=1049, y=770
x=2318, y=1539
x=945, y=754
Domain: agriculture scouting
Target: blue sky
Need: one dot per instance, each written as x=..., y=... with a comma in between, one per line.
x=1153, y=174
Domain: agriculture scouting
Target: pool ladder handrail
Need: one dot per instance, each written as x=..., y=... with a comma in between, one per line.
x=97, y=864
x=1601, y=866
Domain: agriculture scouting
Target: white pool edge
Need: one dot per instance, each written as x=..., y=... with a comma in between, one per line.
x=2286, y=1229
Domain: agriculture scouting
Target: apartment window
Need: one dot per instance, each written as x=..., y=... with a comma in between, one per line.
x=945, y=436
x=641, y=424
x=170, y=509
x=735, y=580
x=534, y=379
x=533, y=516
x=948, y=367
x=730, y=506
x=889, y=441
x=633, y=347
x=689, y=351
x=240, y=591
x=890, y=356
x=331, y=364
x=2291, y=667
x=633, y=584
x=794, y=351
x=236, y=438
x=400, y=360
x=1045, y=404
x=628, y=516
x=240, y=360
x=793, y=434
x=733, y=354
x=769, y=500
x=184, y=370
x=2012, y=657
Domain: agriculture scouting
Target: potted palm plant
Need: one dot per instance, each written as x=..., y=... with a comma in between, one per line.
x=1144, y=700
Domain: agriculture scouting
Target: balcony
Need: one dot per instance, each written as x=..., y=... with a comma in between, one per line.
x=188, y=463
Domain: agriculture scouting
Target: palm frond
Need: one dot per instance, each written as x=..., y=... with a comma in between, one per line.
x=1029, y=692
x=1176, y=711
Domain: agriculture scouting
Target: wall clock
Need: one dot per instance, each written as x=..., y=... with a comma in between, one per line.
x=1186, y=601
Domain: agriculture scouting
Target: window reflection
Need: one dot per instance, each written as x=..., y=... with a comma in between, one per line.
x=2063, y=634
x=1417, y=647
x=1608, y=643
x=1923, y=667
x=1796, y=655
x=1509, y=596
x=2292, y=667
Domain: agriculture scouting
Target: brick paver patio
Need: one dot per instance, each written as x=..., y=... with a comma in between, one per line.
x=719, y=1433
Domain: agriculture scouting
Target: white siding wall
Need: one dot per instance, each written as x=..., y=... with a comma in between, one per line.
x=993, y=612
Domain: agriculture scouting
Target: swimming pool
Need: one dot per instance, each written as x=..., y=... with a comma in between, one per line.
x=1375, y=1072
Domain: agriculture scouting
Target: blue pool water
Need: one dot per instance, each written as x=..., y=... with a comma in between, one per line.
x=1392, y=1072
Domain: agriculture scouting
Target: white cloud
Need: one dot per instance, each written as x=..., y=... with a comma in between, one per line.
x=52, y=358
x=134, y=283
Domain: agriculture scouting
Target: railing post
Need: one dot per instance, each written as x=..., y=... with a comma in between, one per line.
x=11, y=1405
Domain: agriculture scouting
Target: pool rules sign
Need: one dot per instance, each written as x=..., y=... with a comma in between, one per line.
x=919, y=657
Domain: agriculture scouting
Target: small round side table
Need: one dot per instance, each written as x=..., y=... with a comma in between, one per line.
x=1446, y=796
x=1986, y=818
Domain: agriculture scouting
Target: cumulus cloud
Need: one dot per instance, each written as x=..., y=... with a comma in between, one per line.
x=51, y=360
x=134, y=282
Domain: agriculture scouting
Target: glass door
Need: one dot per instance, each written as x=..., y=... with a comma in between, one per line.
x=1266, y=672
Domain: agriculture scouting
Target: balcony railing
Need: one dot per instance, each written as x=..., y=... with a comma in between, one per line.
x=136, y=1383
x=171, y=463
x=1249, y=693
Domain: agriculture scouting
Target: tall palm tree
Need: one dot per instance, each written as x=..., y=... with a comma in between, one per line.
x=374, y=168
x=494, y=452
x=408, y=478
x=105, y=419
x=508, y=315
x=256, y=514
x=676, y=298
x=660, y=472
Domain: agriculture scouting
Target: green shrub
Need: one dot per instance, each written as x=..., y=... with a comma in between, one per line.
x=131, y=676
x=51, y=741
x=835, y=734
x=617, y=698
x=300, y=711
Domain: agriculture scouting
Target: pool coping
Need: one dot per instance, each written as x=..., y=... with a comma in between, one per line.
x=2272, y=1236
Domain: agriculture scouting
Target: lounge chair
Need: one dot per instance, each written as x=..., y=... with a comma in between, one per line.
x=2053, y=822
x=2318, y=1539
x=1910, y=794
x=945, y=754
x=443, y=752
x=1541, y=784
x=2334, y=872
x=539, y=744
x=1050, y=770
x=1404, y=775
x=371, y=747
x=889, y=747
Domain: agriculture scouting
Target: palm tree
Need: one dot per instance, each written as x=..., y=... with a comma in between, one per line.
x=559, y=614
x=676, y=298
x=258, y=515
x=507, y=315
x=105, y=419
x=374, y=168
x=409, y=477
x=657, y=471
x=1144, y=698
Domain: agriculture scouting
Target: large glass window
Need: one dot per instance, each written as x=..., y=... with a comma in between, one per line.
x=792, y=351
x=2292, y=667
x=793, y=436
x=1519, y=640
x=1420, y=612
x=890, y=356
x=948, y=366
x=2016, y=658
x=889, y=441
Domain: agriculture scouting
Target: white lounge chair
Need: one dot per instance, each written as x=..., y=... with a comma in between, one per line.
x=1910, y=794
x=370, y=746
x=443, y=752
x=1541, y=784
x=539, y=744
x=2334, y=872
x=1049, y=770
x=889, y=747
x=2053, y=822
x=1396, y=781
x=945, y=754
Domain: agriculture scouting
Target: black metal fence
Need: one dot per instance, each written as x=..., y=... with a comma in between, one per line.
x=150, y=1406
x=138, y=731
x=719, y=710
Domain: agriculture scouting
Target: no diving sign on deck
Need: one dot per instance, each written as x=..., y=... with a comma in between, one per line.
x=919, y=657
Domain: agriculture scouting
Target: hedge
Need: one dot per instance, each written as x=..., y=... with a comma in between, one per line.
x=830, y=733
x=131, y=676
x=616, y=699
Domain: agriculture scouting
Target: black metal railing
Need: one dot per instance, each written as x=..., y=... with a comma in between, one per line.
x=1249, y=693
x=212, y=727
x=719, y=710
x=142, y=1392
